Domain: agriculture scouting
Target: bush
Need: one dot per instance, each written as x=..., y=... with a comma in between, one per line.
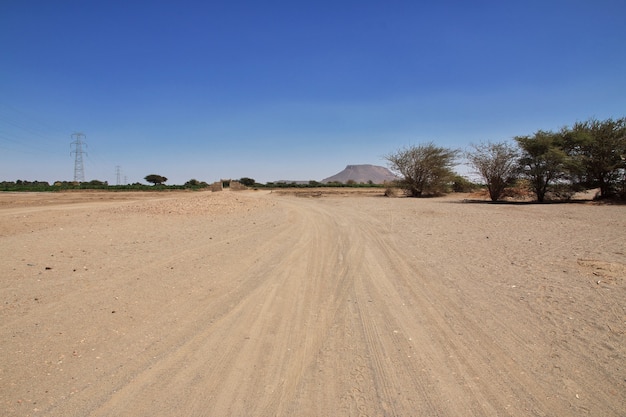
x=560, y=192
x=194, y=183
x=391, y=190
x=425, y=169
x=463, y=185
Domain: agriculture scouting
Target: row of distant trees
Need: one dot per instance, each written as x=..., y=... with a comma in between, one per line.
x=590, y=154
x=23, y=185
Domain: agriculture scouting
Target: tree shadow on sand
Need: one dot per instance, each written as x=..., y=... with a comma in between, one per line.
x=607, y=201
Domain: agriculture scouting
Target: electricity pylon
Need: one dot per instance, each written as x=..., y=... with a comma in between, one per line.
x=79, y=169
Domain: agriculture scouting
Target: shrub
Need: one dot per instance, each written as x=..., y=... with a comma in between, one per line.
x=425, y=169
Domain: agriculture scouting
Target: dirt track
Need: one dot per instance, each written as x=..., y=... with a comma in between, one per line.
x=258, y=304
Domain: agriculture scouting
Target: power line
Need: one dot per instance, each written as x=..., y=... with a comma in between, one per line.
x=18, y=125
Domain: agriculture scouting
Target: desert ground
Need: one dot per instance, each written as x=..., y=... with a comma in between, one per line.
x=254, y=303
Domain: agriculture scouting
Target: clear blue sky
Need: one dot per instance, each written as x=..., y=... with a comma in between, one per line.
x=291, y=90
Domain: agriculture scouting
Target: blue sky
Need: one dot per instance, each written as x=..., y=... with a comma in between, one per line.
x=291, y=90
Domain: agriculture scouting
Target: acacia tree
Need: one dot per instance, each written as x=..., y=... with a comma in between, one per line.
x=425, y=169
x=496, y=163
x=248, y=182
x=599, y=147
x=155, y=179
x=543, y=160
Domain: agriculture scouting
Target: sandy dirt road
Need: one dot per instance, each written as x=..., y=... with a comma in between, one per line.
x=259, y=304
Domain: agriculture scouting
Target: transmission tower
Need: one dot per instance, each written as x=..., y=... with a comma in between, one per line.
x=79, y=169
x=118, y=174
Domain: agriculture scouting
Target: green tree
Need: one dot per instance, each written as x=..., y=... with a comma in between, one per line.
x=543, y=160
x=425, y=169
x=599, y=148
x=194, y=183
x=496, y=163
x=248, y=182
x=155, y=179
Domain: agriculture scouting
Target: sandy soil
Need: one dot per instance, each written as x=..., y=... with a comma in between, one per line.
x=271, y=304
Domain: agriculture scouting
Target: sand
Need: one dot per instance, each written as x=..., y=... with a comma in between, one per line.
x=322, y=304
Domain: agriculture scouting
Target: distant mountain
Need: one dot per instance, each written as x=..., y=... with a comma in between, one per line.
x=362, y=173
